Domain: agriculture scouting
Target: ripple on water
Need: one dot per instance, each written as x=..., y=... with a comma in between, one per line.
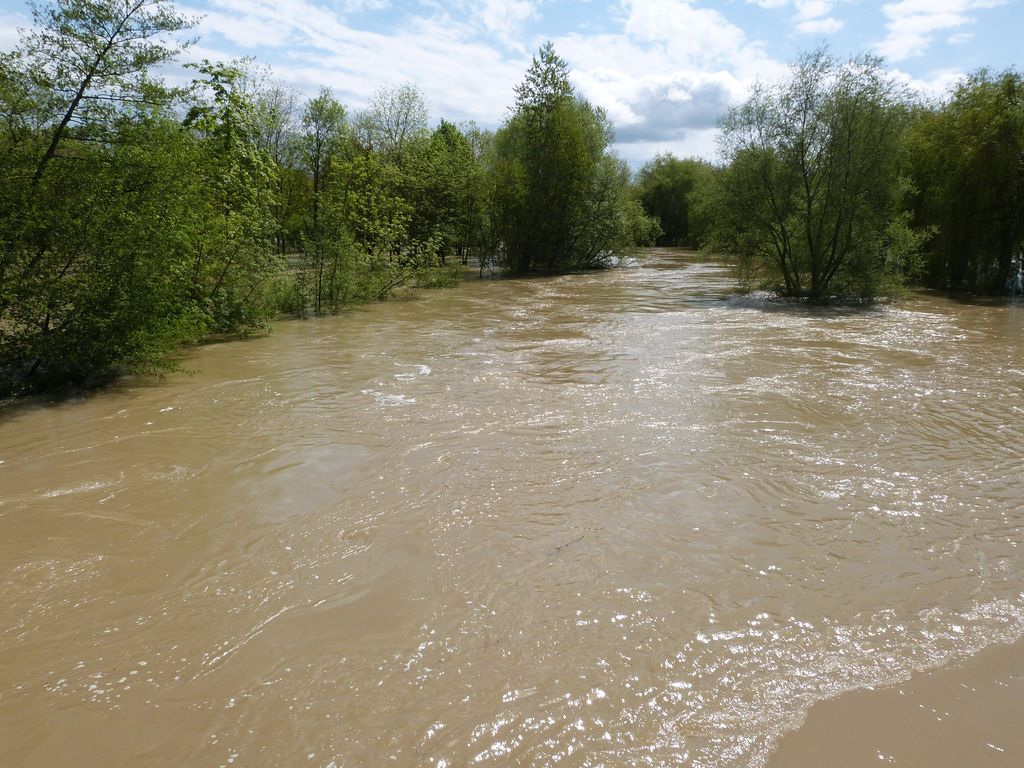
x=623, y=518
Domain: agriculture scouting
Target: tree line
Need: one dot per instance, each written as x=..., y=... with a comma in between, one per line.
x=135, y=215
x=839, y=183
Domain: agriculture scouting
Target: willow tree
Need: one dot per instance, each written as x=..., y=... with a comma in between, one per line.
x=809, y=201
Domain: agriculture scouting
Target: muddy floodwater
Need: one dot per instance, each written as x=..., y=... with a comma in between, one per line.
x=618, y=519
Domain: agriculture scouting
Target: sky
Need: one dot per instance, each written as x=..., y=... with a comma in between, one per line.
x=664, y=70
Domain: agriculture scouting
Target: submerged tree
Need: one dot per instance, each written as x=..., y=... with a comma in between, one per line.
x=552, y=173
x=810, y=199
x=967, y=161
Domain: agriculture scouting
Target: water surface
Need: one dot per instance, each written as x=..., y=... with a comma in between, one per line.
x=615, y=519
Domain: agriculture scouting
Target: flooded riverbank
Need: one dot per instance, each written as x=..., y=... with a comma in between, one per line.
x=612, y=519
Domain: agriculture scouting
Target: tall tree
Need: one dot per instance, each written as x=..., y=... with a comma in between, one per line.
x=324, y=127
x=437, y=181
x=551, y=171
x=278, y=118
x=476, y=222
x=323, y=124
x=234, y=259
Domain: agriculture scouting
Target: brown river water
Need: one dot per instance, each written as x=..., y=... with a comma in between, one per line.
x=618, y=519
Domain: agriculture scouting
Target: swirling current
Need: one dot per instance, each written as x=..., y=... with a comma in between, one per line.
x=626, y=518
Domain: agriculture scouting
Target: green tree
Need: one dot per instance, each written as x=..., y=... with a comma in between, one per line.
x=380, y=253
x=476, y=234
x=233, y=226
x=810, y=199
x=550, y=170
x=394, y=117
x=667, y=187
x=94, y=56
x=279, y=122
x=89, y=151
x=966, y=158
x=437, y=182
x=324, y=131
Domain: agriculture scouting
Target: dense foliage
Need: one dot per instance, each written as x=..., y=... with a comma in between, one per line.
x=668, y=188
x=967, y=161
x=563, y=202
x=134, y=216
x=810, y=199
x=837, y=184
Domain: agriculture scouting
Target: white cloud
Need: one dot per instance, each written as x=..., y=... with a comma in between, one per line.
x=357, y=6
x=912, y=25
x=309, y=45
x=667, y=76
x=826, y=26
x=702, y=144
x=811, y=17
x=684, y=26
x=668, y=72
x=245, y=31
x=812, y=9
x=938, y=85
x=499, y=16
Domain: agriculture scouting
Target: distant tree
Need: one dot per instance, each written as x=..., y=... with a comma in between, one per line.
x=666, y=187
x=612, y=219
x=368, y=208
x=393, y=118
x=810, y=199
x=476, y=220
x=437, y=180
x=324, y=130
x=323, y=124
x=279, y=120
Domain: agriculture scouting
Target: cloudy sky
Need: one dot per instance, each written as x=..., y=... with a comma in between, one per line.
x=664, y=70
